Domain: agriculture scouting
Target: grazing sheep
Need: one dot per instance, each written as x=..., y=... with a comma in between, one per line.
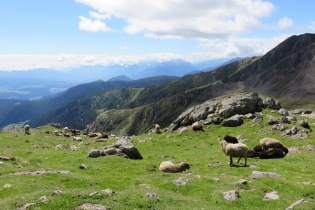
x=238, y=150
x=252, y=154
x=197, y=128
x=270, y=154
x=267, y=143
x=170, y=167
x=77, y=138
x=230, y=139
x=27, y=129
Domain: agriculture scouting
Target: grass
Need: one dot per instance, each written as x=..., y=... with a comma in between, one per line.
x=133, y=179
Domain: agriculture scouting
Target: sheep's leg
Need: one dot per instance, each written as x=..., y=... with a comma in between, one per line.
x=231, y=161
x=245, y=161
x=239, y=159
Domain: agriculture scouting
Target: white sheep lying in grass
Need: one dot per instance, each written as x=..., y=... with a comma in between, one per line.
x=267, y=143
x=237, y=150
x=77, y=138
x=169, y=166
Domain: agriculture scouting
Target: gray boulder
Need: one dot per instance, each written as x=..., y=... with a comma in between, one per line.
x=94, y=153
x=239, y=104
x=272, y=104
x=234, y=121
x=127, y=147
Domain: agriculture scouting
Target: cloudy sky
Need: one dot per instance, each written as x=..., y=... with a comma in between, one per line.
x=63, y=34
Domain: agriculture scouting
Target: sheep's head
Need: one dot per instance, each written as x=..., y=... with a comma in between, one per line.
x=184, y=166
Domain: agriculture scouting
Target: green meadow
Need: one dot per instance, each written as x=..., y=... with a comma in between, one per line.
x=133, y=180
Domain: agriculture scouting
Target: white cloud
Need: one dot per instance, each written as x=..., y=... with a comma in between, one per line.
x=92, y=25
x=312, y=26
x=208, y=49
x=285, y=23
x=185, y=19
x=240, y=47
x=99, y=16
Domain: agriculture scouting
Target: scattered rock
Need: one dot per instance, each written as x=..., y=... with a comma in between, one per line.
x=231, y=195
x=180, y=181
x=41, y=172
x=73, y=148
x=293, y=150
x=89, y=206
x=299, y=202
x=43, y=199
x=27, y=206
x=7, y=186
x=242, y=181
x=57, y=192
x=216, y=179
x=152, y=195
x=59, y=146
x=304, y=124
x=82, y=166
x=271, y=195
x=94, y=153
x=109, y=192
x=283, y=112
x=257, y=174
x=93, y=193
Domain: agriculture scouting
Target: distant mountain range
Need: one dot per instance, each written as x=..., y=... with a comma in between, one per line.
x=38, y=83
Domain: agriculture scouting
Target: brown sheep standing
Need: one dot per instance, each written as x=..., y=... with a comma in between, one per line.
x=170, y=167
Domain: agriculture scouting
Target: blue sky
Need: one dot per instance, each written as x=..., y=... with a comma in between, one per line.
x=63, y=34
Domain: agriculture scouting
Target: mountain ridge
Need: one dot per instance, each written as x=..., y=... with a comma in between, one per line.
x=280, y=74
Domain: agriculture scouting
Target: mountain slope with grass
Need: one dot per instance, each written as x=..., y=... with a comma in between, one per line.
x=45, y=171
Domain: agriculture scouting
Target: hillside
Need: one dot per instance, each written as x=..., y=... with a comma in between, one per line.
x=286, y=72
x=29, y=110
x=48, y=171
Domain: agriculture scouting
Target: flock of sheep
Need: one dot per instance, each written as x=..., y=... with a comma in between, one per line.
x=232, y=148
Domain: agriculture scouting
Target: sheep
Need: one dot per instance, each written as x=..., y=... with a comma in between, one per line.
x=197, y=128
x=56, y=133
x=27, y=129
x=238, y=150
x=157, y=128
x=267, y=143
x=275, y=153
x=77, y=138
x=230, y=139
x=75, y=132
x=252, y=153
x=258, y=148
x=170, y=167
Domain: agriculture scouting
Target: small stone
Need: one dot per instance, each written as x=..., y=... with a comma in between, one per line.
x=82, y=166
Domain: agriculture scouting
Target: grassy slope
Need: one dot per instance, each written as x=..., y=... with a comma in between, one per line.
x=132, y=179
